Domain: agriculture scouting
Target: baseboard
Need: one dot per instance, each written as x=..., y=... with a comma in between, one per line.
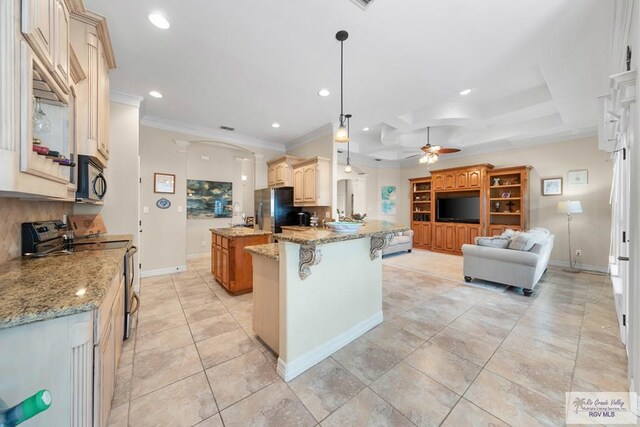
x=589, y=267
x=163, y=271
x=198, y=256
x=292, y=369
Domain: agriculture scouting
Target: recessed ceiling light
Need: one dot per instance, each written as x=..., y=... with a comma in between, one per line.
x=465, y=92
x=365, y=129
x=155, y=94
x=275, y=125
x=159, y=20
x=324, y=92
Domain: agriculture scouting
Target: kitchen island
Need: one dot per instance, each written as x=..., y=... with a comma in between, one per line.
x=330, y=291
x=230, y=265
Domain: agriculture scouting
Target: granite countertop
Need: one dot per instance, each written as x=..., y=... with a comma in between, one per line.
x=320, y=236
x=34, y=289
x=238, y=232
x=270, y=250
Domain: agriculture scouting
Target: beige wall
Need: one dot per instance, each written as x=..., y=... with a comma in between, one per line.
x=13, y=212
x=169, y=238
x=590, y=231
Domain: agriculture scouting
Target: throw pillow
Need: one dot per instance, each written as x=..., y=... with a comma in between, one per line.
x=493, y=242
x=519, y=241
x=508, y=233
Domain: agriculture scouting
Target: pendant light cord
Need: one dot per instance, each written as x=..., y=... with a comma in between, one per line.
x=341, y=83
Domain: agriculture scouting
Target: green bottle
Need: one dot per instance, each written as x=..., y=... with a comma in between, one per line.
x=24, y=410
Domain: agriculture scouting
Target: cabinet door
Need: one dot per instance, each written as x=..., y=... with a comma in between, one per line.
x=417, y=234
x=474, y=231
x=103, y=103
x=461, y=180
x=449, y=237
x=271, y=176
x=91, y=137
x=118, y=322
x=438, y=236
x=474, y=179
x=61, y=44
x=309, y=184
x=224, y=267
x=280, y=172
x=496, y=230
x=461, y=237
x=438, y=182
x=426, y=235
x=37, y=27
x=449, y=181
x=104, y=365
x=298, y=185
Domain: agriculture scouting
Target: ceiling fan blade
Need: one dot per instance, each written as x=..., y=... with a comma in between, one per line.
x=448, y=150
x=415, y=155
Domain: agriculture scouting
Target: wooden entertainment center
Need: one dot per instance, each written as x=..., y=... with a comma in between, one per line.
x=502, y=202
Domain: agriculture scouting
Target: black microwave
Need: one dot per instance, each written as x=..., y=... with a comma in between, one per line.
x=92, y=184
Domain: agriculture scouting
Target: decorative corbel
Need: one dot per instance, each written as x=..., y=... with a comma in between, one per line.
x=309, y=255
x=378, y=243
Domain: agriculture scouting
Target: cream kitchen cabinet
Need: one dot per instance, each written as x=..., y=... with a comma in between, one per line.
x=312, y=182
x=90, y=41
x=280, y=171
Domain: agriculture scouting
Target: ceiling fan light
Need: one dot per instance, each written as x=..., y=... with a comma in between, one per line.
x=348, y=169
x=424, y=159
x=342, y=135
x=433, y=157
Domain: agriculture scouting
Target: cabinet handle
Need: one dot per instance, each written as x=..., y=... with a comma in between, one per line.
x=623, y=258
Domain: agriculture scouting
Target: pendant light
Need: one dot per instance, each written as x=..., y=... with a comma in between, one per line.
x=342, y=134
x=348, y=168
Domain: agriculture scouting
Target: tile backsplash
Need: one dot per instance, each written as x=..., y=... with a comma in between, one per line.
x=14, y=212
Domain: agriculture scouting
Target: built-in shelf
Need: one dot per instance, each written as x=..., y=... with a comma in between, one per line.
x=505, y=186
x=505, y=198
x=506, y=213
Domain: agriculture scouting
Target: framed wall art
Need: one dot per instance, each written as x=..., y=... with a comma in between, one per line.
x=551, y=186
x=209, y=199
x=578, y=177
x=164, y=183
x=389, y=199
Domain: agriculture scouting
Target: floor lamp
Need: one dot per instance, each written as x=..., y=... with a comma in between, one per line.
x=568, y=208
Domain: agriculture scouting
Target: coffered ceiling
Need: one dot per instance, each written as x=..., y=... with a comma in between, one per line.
x=534, y=67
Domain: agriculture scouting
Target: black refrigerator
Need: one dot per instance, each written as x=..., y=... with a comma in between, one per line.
x=274, y=208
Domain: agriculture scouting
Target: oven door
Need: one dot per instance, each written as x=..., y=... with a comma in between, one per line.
x=131, y=300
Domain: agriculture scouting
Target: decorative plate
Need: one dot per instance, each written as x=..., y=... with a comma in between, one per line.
x=163, y=203
x=345, y=227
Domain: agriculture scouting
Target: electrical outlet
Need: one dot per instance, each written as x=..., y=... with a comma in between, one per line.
x=204, y=243
x=578, y=252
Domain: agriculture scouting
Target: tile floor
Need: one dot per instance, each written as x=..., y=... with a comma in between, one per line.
x=447, y=354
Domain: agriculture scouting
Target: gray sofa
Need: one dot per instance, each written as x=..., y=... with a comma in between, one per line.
x=519, y=268
x=403, y=242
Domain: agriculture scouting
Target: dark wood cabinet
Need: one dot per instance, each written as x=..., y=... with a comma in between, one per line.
x=462, y=180
x=231, y=265
x=474, y=179
x=449, y=237
x=438, y=181
x=449, y=181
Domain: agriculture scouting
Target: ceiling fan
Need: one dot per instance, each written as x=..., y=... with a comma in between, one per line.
x=431, y=153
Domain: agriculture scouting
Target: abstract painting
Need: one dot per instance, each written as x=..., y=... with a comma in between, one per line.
x=209, y=199
x=389, y=196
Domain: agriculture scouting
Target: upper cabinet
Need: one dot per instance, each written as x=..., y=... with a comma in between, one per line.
x=458, y=179
x=45, y=105
x=90, y=41
x=312, y=182
x=280, y=171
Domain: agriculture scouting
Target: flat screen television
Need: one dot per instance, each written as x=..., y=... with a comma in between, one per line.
x=458, y=209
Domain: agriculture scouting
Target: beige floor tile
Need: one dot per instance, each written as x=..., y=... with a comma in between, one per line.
x=168, y=339
x=448, y=369
x=199, y=288
x=126, y=358
x=416, y=396
x=325, y=387
x=160, y=322
x=119, y=416
x=238, y=378
x=184, y=403
x=602, y=365
x=418, y=324
x=223, y=347
x=158, y=368
x=213, y=326
x=214, y=421
x=206, y=311
x=534, y=374
x=365, y=360
x=467, y=414
x=512, y=403
x=198, y=299
x=536, y=349
x=275, y=405
x=150, y=308
x=148, y=282
x=367, y=409
x=122, y=391
x=185, y=275
x=466, y=346
x=390, y=311
x=493, y=316
x=471, y=325
x=394, y=339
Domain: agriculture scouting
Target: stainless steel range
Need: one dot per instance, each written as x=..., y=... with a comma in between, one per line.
x=50, y=238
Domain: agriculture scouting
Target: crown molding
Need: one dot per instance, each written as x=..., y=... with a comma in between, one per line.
x=324, y=130
x=209, y=133
x=125, y=98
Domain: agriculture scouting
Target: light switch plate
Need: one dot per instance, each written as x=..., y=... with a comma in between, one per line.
x=179, y=208
x=145, y=209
